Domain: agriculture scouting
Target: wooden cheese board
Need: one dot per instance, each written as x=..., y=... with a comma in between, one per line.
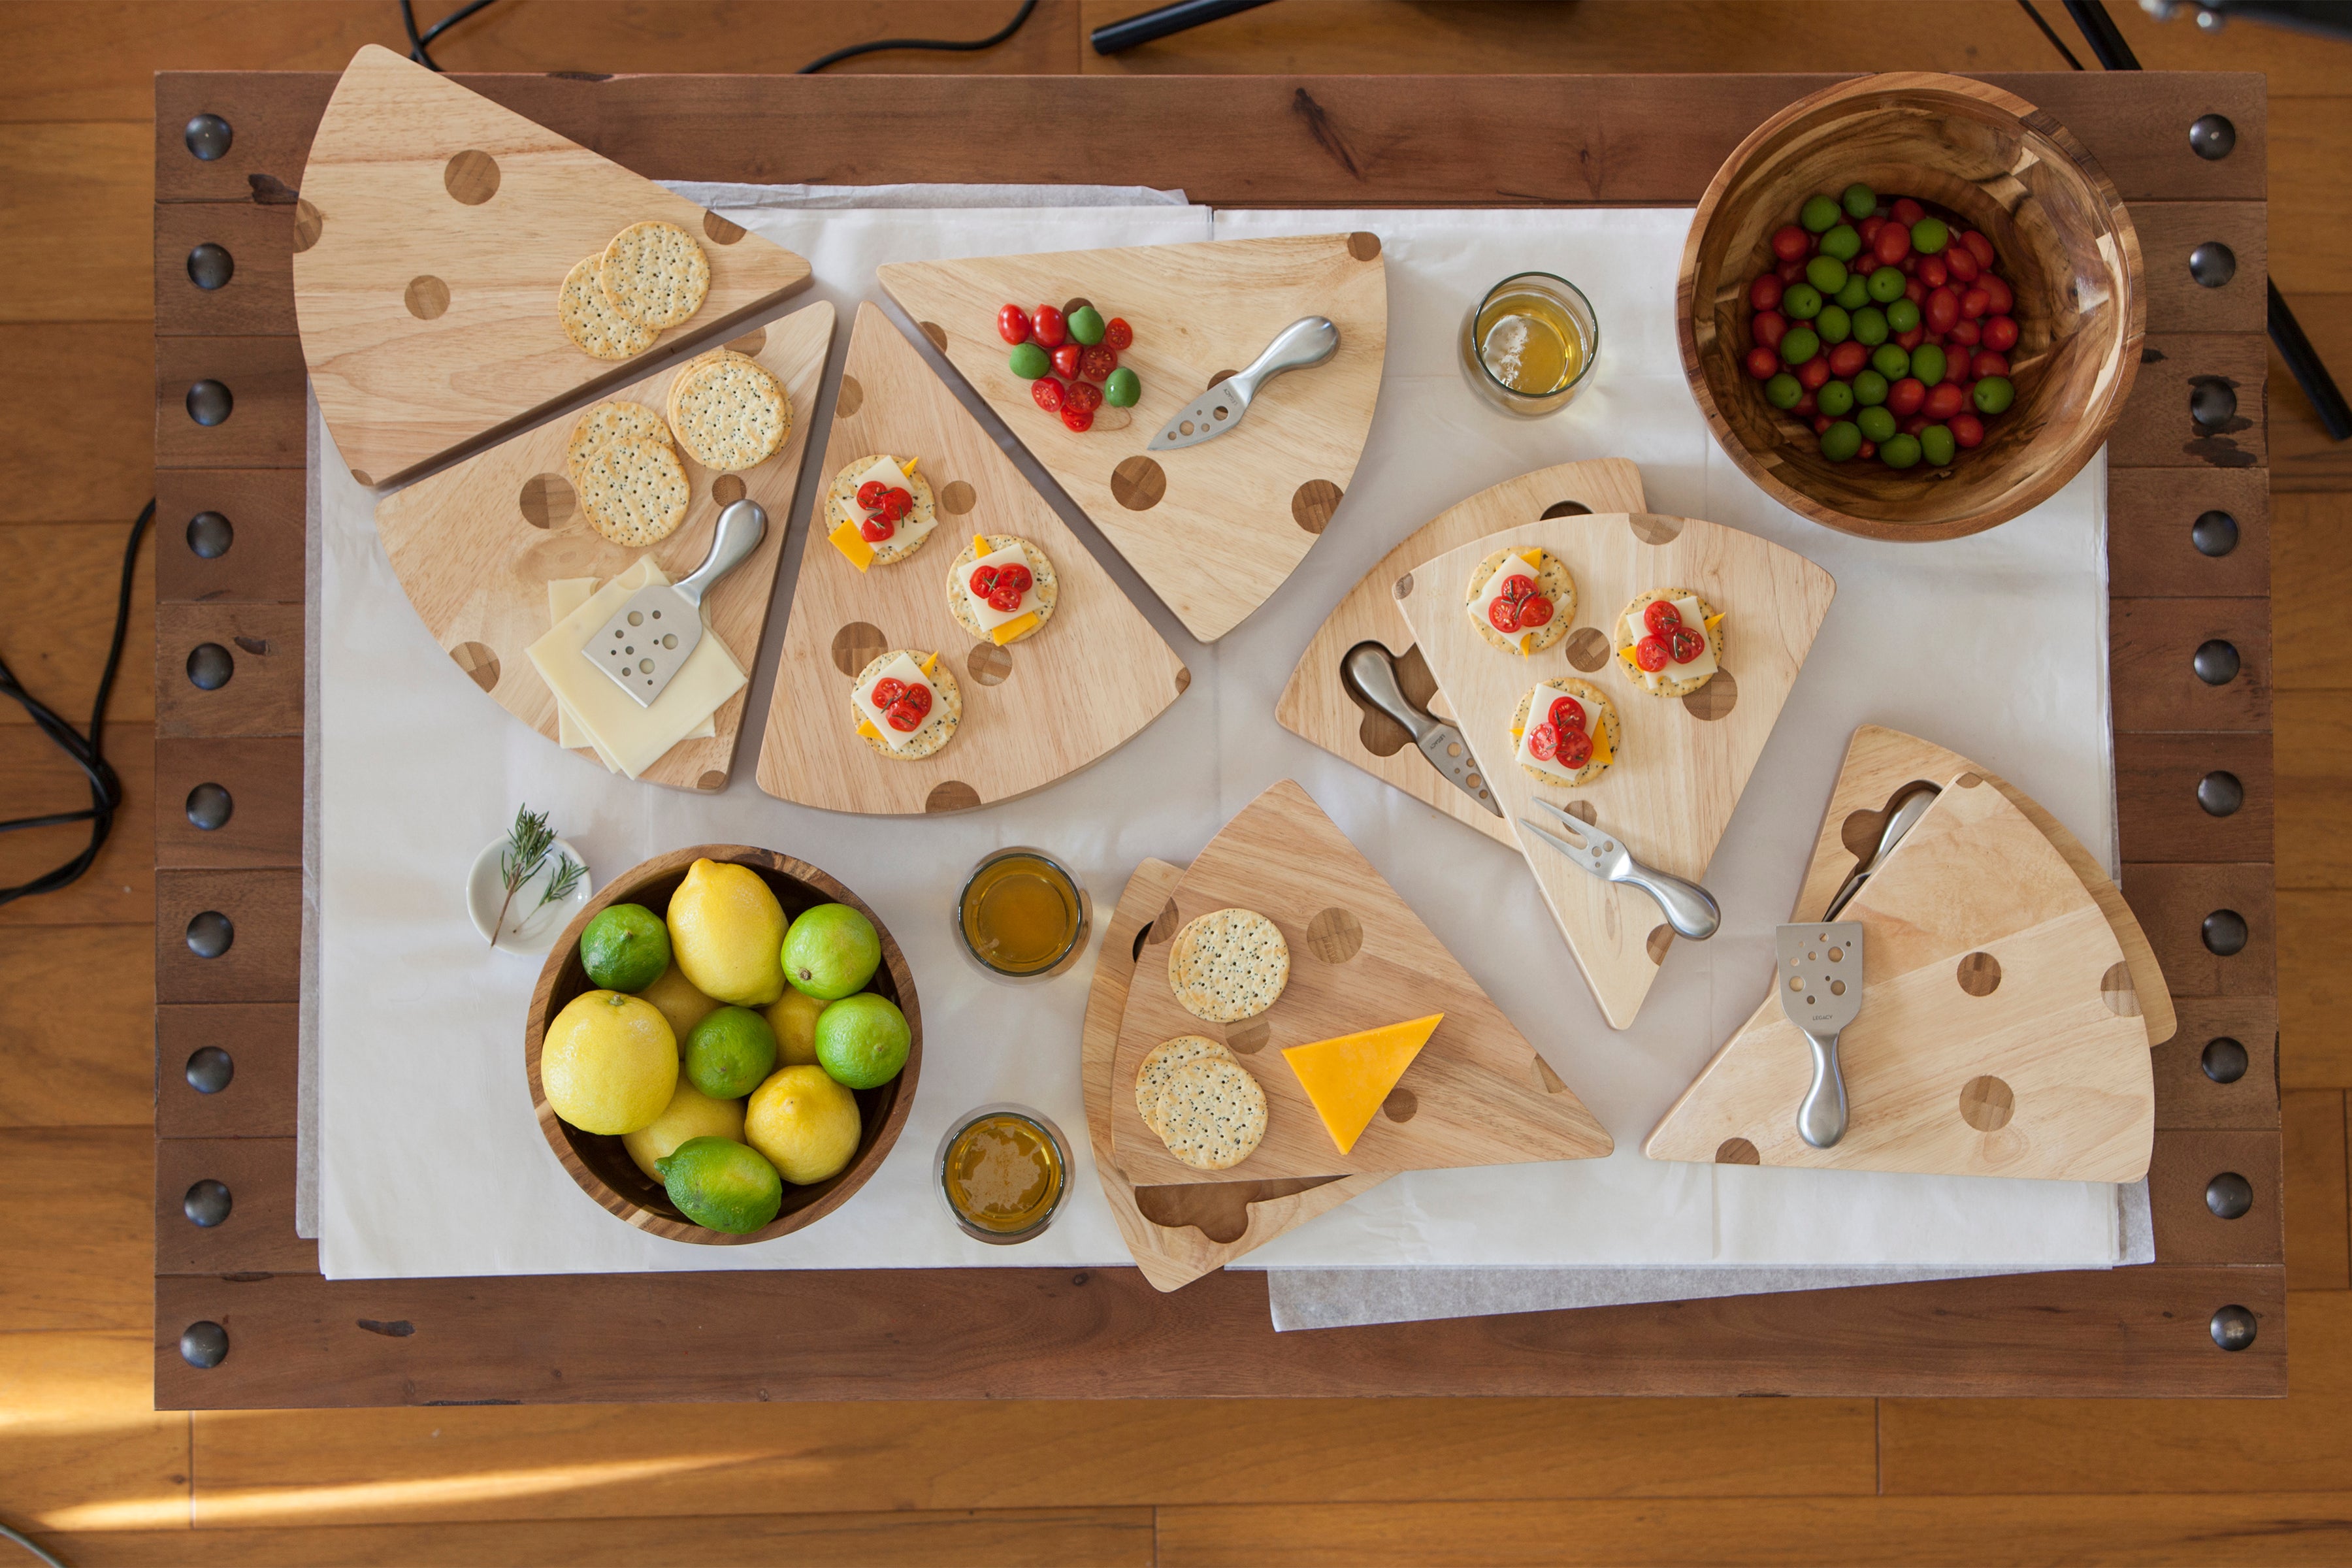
x=1317, y=705
x=432, y=236
x=1478, y=1094
x=476, y=544
x=2001, y=1030
x=1034, y=711
x=1176, y=1232
x=1681, y=763
x=1216, y=528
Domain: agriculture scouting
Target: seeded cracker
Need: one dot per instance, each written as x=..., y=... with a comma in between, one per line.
x=939, y=726
x=1228, y=965
x=1663, y=683
x=633, y=491
x=1048, y=588
x=1554, y=582
x=590, y=321
x=654, y=273
x=914, y=531
x=609, y=422
x=1157, y=1068
x=1211, y=1114
x=1597, y=706
x=729, y=412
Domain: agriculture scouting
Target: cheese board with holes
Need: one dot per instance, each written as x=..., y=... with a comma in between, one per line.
x=1679, y=764
x=477, y=545
x=2009, y=999
x=1318, y=705
x=433, y=234
x=1214, y=528
x=1035, y=709
x=1477, y=1094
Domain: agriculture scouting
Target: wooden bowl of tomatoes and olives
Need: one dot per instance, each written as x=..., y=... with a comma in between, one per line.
x=1911, y=306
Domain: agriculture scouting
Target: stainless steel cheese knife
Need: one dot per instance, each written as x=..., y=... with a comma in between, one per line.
x=648, y=639
x=1370, y=671
x=1690, y=908
x=1309, y=340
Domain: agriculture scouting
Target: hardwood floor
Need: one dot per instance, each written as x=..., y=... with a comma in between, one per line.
x=87, y=1465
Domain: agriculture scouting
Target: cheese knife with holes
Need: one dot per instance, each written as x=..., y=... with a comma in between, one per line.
x=1309, y=340
x=649, y=639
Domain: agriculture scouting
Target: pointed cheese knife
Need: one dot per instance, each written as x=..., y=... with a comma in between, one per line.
x=649, y=639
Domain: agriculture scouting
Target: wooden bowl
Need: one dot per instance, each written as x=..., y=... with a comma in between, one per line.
x=2067, y=247
x=599, y=1163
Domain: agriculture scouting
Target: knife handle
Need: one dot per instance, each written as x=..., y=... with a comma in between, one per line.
x=740, y=527
x=1690, y=908
x=1370, y=670
x=1821, y=1118
x=1309, y=340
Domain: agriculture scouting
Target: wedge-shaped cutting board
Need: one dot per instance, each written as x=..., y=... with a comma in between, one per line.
x=1477, y=1095
x=434, y=232
x=1317, y=706
x=1681, y=762
x=1216, y=528
x=476, y=544
x=1177, y=1234
x=1034, y=711
x=2000, y=1034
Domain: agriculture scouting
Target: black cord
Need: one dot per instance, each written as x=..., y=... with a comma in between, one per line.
x=419, y=50
x=2055, y=41
x=2099, y=31
x=87, y=751
x=950, y=44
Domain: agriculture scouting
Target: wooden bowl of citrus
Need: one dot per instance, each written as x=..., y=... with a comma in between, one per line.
x=720, y=913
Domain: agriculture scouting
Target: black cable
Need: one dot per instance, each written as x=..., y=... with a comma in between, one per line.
x=87, y=751
x=418, y=43
x=2099, y=31
x=949, y=45
x=2055, y=41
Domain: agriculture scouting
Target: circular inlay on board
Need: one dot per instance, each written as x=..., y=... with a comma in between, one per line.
x=426, y=298
x=1987, y=1103
x=1334, y=935
x=1652, y=529
x=546, y=500
x=857, y=645
x=1403, y=589
x=989, y=664
x=1716, y=699
x=1980, y=973
x=728, y=489
x=1364, y=245
x=1582, y=811
x=1072, y=307
x=953, y=795
x=1660, y=938
x=711, y=781
x=849, y=399
x=1400, y=1104
x=1183, y=680
x=1967, y=781
x=1110, y=418
x=1138, y=483
x=957, y=498
x=1312, y=504
x=1737, y=1152
x=750, y=344
x=722, y=232
x=477, y=661
x=1164, y=924
x=937, y=333
x=1588, y=649
x=1566, y=509
x=471, y=177
x=1248, y=1037
x=2116, y=989
x=309, y=223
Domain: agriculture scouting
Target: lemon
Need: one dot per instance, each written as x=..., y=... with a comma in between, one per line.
x=679, y=1002
x=609, y=1063
x=805, y=1122
x=793, y=1017
x=690, y=1114
x=726, y=932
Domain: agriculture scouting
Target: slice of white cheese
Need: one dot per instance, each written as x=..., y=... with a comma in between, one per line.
x=630, y=737
x=1527, y=563
x=565, y=594
x=988, y=614
x=1538, y=712
x=899, y=668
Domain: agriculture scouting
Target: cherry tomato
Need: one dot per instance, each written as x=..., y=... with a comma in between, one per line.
x=1915, y=291
x=1079, y=419
x=1660, y=616
x=897, y=503
x=2001, y=334
x=1944, y=399
x=886, y=691
x=1911, y=340
x=1917, y=423
x=1870, y=227
x=1979, y=247
x=1974, y=303
x=1575, y=749
x=1987, y=363
x=1050, y=329
x=1961, y=263
x=1907, y=212
x=1769, y=328
x=1651, y=654
x=1567, y=713
x=1805, y=407
x=1543, y=741
x=870, y=494
x=1941, y=309
x=1097, y=363
x=1814, y=374
x=1762, y=362
x=1965, y=331
x=1863, y=266
x=1685, y=643
x=1904, y=398
x=1911, y=266
x=1083, y=396
x=1065, y=361
x=1047, y=393
x=1535, y=612
x=1791, y=243
x=1012, y=324
x=1891, y=245
x=1118, y=335
x=983, y=581
x=1822, y=423
x=1764, y=292
x=1967, y=430
x=1790, y=272
x=1932, y=272
x=2000, y=301
x=1004, y=599
x=906, y=715
x=1848, y=358
x=1955, y=368
x=876, y=528
x=1868, y=449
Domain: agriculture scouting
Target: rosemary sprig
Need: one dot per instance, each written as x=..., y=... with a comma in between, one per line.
x=560, y=884
x=527, y=842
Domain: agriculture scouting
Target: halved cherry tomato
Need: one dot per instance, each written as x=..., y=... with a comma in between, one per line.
x=1575, y=749
x=1791, y=243
x=1987, y=363
x=1567, y=713
x=1083, y=396
x=1503, y=614
x=1097, y=363
x=1051, y=328
x=1543, y=743
x=876, y=528
x=1065, y=361
x=1659, y=617
x=1014, y=577
x=870, y=494
x=906, y=715
x=897, y=503
x=2001, y=334
x=1118, y=335
x=1904, y=398
x=1078, y=419
x=1764, y=292
x=1968, y=430
x=1764, y=365
x=1012, y=324
x=1047, y=393
x=983, y=581
x=1650, y=653
x=1685, y=644
x=1535, y=612
x=1004, y=598
x=886, y=691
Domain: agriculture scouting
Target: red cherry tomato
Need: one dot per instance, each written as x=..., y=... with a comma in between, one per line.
x=1955, y=368
x=1769, y=328
x=1012, y=324
x=1870, y=227
x=1685, y=643
x=1911, y=340
x=1847, y=359
x=1944, y=400
x=1911, y=266
x=1863, y=264
x=1933, y=272
x=897, y=503
x=1917, y=423
x=1503, y=613
x=876, y=528
x=1965, y=332
x=1083, y=396
x=906, y=715
x=1791, y=243
x=1567, y=713
x=1975, y=304
x=870, y=494
x=1543, y=743
x=983, y=581
x=1941, y=309
x=1659, y=617
x=1097, y=363
x=1987, y=363
x=1575, y=749
x=1979, y=247
x=1907, y=212
x=1052, y=331
x=1535, y=612
x=886, y=691
x=1915, y=292
x=1961, y=263
x=1047, y=393
x=1764, y=292
x=1763, y=363
x=1119, y=334
x=1869, y=449
x=1968, y=430
x=1079, y=419
x=1065, y=361
x=1789, y=271
x=1822, y=423
x=1891, y=245
x=1016, y=577
x=1004, y=598
x=1651, y=654
x=1999, y=301
x=1814, y=374
x=2001, y=334
x=1805, y=407
x=1904, y=398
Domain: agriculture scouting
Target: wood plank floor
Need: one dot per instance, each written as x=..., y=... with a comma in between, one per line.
x=87, y=1467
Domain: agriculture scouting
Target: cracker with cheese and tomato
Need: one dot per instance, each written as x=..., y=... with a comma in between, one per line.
x=1567, y=732
x=1522, y=600
x=1670, y=641
x=879, y=511
x=906, y=705
x=1001, y=588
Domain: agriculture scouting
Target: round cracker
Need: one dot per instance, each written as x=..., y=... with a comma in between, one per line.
x=610, y=422
x=654, y=273
x=1553, y=580
x=729, y=412
x=1211, y=1113
x=1161, y=1064
x=1593, y=698
x=634, y=490
x=1048, y=588
x=1667, y=686
x=939, y=726
x=1228, y=964
x=591, y=321
x=840, y=506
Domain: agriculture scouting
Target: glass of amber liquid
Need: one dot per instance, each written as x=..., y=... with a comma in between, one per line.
x=1002, y=1171
x=1022, y=915
x=1530, y=344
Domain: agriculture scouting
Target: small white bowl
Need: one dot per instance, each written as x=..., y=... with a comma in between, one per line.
x=530, y=927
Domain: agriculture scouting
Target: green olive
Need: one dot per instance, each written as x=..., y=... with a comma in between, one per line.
x=1783, y=390
x=1937, y=445
x=1928, y=364
x=1835, y=399
x=1993, y=395
x=1842, y=242
x=1840, y=440
x=1833, y=324
x=1891, y=361
x=1826, y=273
x=1930, y=235
x=1876, y=423
x=1856, y=292
x=1085, y=326
x=1029, y=362
x=1902, y=315
x=1801, y=344
x=1818, y=213
x=1886, y=285
x=1120, y=388
x=1870, y=326
x=1869, y=388
x=1800, y=303
x=1859, y=201
x=1899, y=452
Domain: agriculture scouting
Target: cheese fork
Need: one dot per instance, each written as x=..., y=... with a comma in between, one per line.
x=1690, y=908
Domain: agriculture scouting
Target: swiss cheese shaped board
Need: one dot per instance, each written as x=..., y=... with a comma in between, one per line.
x=2001, y=1031
x=1212, y=528
x=1317, y=704
x=1680, y=762
x=475, y=545
x=1478, y=1094
x=434, y=233
x=1034, y=711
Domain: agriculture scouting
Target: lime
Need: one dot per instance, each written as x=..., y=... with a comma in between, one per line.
x=1801, y=301
x=1826, y=273
x=830, y=952
x=1799, y=344
x=730, y=1053
x=1891, y=361
x=862, y=1040
x=691, y=1114
x=1855, y=294
x=1869, y=324
x=1876, y=424
x=725, y=927
x=1902, y=315
x=608, y=1063
x=1927, y=363
x=1121, y=388
x=1842, y=242
x=722, y=1185
x=1834, y=325
x=793, y=1017
x=626, y=948
x=803, y=1122
x=1783, y=390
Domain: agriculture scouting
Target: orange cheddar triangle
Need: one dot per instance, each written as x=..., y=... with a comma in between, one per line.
x=851, y=543
x=1349, y=1076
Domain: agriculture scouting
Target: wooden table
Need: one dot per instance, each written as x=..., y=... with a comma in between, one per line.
x=2202, y=883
